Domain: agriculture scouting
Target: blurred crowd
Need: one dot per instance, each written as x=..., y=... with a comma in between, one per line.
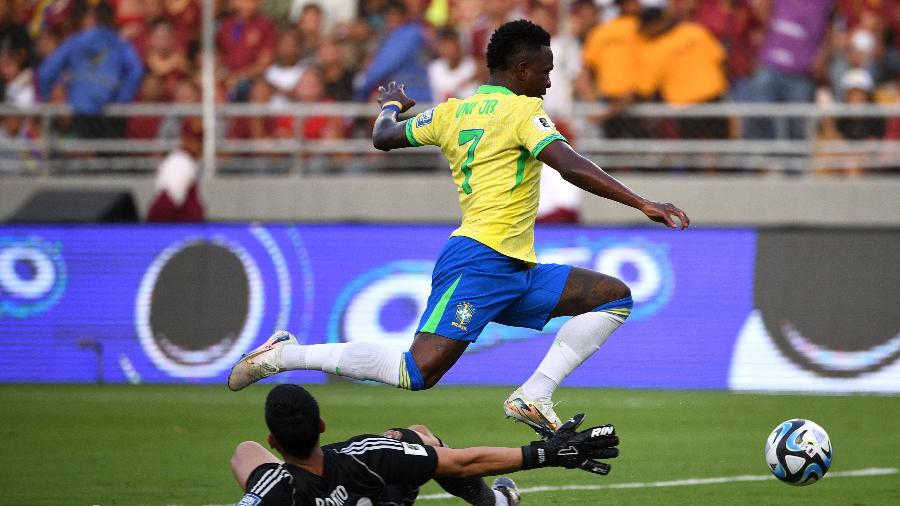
x=91, y=53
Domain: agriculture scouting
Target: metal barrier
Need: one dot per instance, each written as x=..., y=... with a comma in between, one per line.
x=35, y=141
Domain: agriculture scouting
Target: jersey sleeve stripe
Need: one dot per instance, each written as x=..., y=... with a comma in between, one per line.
x=281, y=476
x=372, y=440
x=409, y=133
x=547, y=140
x=262, y=481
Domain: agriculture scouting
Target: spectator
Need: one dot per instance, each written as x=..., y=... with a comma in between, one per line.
x=58, y=16
x=610, y=54
x=166, y=58
x=17, y=79
x=683, y=63
x=452, y=74
x=791, y=57
x=285, y=71
x=14, y=40
x=147, y=127
x=399, y=57
x=682, y=10
x=177, y=180
x=566, y=65
x=860, y=47
x=583, y=17
x=19, y=92
x=336, y=12
x=186, y=93
x=102, y=69
x=14, y=37
x=858, y=86
x=740, y=26
x=309, y=90
x=255, y=127
x=129, y=17
x=247, y=41
x=310, y=26
x=152, y=12
x=338, y=79
x=185, y=16
x=493, y=14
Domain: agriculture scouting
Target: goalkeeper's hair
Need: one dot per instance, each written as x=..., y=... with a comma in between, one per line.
x=511, y=40
x=292, y=415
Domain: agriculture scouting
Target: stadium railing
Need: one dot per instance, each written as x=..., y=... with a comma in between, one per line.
x=33, y=142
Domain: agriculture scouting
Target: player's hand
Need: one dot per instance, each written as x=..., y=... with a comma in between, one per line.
x=666, y=213
x=395, y=93
x=574, y=449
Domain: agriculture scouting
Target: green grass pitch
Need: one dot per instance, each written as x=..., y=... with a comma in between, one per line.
x=169, y=445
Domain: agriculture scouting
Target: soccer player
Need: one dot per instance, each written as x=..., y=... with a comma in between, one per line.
x=495, y=141
x=388, y=469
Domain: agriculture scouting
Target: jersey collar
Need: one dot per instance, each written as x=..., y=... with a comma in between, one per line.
x=490, y=88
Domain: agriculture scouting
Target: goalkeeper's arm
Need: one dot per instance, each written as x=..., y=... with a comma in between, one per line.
x=567, y=448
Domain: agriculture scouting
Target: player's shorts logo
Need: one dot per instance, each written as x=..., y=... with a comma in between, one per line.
x=464, y=313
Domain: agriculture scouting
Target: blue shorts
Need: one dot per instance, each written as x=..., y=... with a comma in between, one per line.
x=473, y=285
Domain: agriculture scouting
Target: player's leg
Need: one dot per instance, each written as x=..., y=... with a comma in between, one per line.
x=599, y=303
x=463, y=300
x=248, y=456
x=428, y=359
x=360, y=360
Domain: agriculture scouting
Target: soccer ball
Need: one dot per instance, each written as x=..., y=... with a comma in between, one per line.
x=798, y=452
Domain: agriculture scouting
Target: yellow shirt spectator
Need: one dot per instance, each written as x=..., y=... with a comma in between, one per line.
x=611, y=51
x=685, y=65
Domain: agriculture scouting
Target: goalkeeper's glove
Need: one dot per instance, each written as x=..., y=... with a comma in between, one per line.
x=570, y=449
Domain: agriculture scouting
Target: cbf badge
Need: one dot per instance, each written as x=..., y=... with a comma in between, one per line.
x=464, y=313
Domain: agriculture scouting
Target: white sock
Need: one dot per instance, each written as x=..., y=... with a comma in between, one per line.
x=358, y=360
x=575, y=342
x=500, y=499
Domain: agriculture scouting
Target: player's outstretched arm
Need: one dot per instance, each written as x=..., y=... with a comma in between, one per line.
x=586, y=175
x=567, y=448
x=389, y=133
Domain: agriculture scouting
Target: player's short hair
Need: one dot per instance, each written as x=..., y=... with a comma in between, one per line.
x=292, y=415
x=512, y=39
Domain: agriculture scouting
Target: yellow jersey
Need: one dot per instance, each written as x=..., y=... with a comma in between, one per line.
x=492, y=140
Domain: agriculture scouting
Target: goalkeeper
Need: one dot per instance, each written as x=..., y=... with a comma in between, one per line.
x=388, y=469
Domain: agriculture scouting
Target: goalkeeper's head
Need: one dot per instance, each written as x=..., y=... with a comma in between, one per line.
x=292, y=415
x=519, y=57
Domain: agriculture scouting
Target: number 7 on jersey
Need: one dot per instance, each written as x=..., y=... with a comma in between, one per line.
x=465, y=137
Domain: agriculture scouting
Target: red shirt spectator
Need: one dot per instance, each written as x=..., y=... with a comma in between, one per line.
x=166, y=58
x=185, y=15
x=311, y=89
x=254, y=127
x=739, y=26
x=247, y=40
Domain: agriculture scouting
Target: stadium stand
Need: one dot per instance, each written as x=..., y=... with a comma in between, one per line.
x=285, y=81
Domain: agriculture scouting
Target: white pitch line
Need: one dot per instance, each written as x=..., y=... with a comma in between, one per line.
x=871, y=471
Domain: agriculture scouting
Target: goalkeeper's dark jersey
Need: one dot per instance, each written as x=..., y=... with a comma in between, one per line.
x=362, y=471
